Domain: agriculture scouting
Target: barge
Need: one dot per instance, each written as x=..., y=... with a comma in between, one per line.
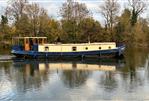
x=37, y=47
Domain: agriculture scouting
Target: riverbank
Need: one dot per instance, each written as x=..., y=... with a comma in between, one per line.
x=5, y=50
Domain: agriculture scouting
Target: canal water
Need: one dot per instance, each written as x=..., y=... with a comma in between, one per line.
x=76, y=80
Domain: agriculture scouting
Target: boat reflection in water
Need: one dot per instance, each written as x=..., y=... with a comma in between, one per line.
x=75, y=66
x=43, y=65
x=72, y=73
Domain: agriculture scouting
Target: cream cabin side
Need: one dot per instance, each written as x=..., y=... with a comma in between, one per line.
x=76, y=47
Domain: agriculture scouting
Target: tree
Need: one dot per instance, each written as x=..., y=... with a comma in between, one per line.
x=133, y=36
x=4, y=22
x=16, y=9
x=5, y=29
x=23, y=26
x=72, y=14
x=44, y=24
x=123, y=27
x=28, y=19
x=16, y=12
x=36, y=14
x=53, y=31
x=74, y=10
x=90, y=30
x=70, y=29
x=110, y=10
x=137, y=7
x=140, y=32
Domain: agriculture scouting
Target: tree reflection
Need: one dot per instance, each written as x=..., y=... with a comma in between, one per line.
x=108, y=81
x=74, y=78
x=131, y=75
x=6, y=66
x=29, y=76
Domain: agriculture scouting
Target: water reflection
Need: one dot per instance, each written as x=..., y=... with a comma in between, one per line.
x=135, y=68
x=29, y=75
x=74, y=78
x=94, y=79
x=108, y=81
x=6, y=91
x=72, y=73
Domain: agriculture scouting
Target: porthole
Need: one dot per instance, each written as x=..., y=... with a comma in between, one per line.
x=86, y=48
x=99, y=47
x=46, y=48
x=74, y=48
x=109, y=47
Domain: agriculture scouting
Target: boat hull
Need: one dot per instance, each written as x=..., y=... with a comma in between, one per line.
x=117, y=52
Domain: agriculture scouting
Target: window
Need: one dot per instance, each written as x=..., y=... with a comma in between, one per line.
x=40, y=41
x=36, y=41
x=27, y=41
x=109, y=47
x=45, y=40
x=86, y=48
x=74, y=48
x=21, y=42
x=46, y=48
x=99, y=47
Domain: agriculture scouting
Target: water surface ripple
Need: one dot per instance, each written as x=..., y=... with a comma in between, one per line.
x=80, y=80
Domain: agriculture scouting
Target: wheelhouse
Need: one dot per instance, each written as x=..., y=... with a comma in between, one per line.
x=28, y=43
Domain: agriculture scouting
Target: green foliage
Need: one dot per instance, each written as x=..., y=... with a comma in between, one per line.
x=90, y=29
x=53, y=31
x=123, y=28
x=87, y=30
x=135, y=32
x=23, y=26
x=5, y=29
x=70, y=29
x=33, y=20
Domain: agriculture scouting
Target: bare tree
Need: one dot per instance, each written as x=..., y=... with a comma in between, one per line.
x=110, y=10
x=26, y=15
x=34, y=13
x=16, y=9
x=73, y=13
x=74, y=10
x=137, y=6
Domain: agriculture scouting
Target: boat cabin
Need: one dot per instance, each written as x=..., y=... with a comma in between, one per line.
x=28, y=43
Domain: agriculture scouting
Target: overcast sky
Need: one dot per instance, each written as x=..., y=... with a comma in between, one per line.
x=53, y=6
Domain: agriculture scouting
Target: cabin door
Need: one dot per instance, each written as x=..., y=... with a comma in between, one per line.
x=26, y=44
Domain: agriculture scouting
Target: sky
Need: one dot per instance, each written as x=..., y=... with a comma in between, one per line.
x=53, y=6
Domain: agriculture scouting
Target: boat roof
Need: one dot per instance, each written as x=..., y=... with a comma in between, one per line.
x=30, y=37
x=80, y=44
